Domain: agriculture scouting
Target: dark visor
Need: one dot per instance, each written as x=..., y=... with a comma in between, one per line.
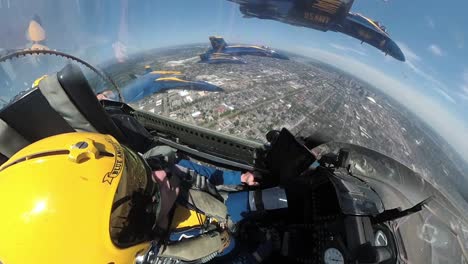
x=136, y=203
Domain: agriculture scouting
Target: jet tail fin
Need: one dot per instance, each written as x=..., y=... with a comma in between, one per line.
x=217, y=43
x=37, y=34
x=148, y=69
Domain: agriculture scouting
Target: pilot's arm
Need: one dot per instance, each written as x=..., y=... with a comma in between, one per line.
x=219, y=177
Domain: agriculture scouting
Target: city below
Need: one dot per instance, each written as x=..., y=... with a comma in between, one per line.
x=301, y=94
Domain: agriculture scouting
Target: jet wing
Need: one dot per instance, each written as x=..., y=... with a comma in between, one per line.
x=168, y=83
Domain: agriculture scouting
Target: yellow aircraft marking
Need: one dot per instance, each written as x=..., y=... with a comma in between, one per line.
x=258, y=47
x=166, y=72
x=252, y=46
x=329, y=6
x=171, y=79
x=38, y=80
x=373, y=23
x=220, y=55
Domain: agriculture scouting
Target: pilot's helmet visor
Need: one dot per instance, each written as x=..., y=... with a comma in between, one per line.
x=136, y=203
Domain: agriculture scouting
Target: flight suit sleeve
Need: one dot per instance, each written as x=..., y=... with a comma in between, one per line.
x=215, y=176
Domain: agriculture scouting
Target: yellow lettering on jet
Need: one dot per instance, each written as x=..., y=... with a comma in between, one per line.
x=316, y=18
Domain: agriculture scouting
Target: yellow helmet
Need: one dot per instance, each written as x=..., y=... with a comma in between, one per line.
x=75, y=198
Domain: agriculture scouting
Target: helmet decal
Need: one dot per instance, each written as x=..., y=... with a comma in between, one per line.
x=118, y=164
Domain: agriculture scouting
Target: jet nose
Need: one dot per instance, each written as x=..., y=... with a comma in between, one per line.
x=215, y=88
x=395, y=51
x=206, y=86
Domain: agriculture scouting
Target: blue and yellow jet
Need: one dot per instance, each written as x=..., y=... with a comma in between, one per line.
x=221, y=52
x=324, y=15
x=160, y=81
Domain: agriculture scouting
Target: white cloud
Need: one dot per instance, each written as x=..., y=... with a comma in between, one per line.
x=427, y=108
x=419, y=71
x=409, y=53
x=343, y=48
x=464, y=86
x=464, y=94
x=413, y=61
x=436, y=50
x=430, y=22
x=459, y=39
x=445, y=95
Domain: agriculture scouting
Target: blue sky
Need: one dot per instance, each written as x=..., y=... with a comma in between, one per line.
x=433, y=83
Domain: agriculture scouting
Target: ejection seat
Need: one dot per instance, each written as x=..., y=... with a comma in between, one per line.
x=64, y=102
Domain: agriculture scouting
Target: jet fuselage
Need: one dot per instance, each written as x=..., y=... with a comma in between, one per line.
x=222, y=52
x=239, y=50
x=217, y=58
x=323, y=15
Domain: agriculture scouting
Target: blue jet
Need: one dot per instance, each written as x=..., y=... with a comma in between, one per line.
x=324, y=15
x=221, y=52
x=160, y=81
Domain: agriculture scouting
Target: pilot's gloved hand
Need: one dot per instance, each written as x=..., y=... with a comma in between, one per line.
x=107, y=95
x=169, y=191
